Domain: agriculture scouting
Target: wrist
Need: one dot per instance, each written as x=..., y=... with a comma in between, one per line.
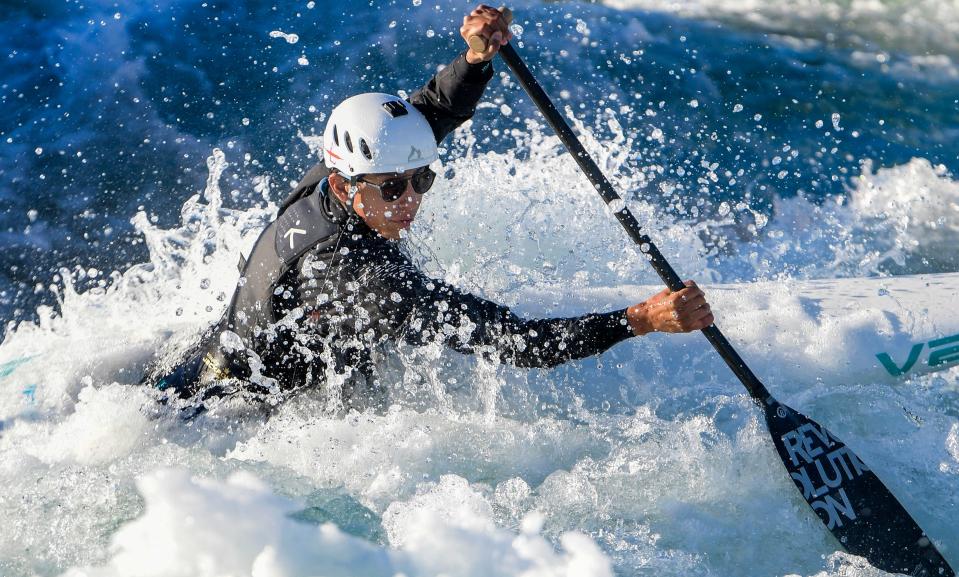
x=477, y=72
x=638, y=318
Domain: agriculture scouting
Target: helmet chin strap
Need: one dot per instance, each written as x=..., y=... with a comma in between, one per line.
x=351, y=194
x=351, y=190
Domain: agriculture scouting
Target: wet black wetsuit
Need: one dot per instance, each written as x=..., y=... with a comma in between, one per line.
x=321, y=291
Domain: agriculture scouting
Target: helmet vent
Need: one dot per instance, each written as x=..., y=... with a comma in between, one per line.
x=365, y=149
x=348, y=140
x=336, y=136
x=396, y=108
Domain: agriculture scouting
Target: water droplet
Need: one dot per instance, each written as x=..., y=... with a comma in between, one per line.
x=290, y=38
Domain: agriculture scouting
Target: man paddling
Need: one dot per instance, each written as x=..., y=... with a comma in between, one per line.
x=326, y=285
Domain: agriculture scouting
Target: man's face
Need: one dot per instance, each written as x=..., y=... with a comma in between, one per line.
x=386, y=218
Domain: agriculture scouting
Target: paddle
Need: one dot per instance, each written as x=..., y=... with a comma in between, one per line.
x=848, y=497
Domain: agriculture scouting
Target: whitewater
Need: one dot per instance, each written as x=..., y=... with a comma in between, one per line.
x=647, y=460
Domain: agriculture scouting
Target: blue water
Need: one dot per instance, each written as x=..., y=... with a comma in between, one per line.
x=107, y=108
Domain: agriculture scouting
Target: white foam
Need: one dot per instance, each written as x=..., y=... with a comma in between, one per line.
x=194, y=526
x=918, y=26
x=663, y=466
x=916, y=205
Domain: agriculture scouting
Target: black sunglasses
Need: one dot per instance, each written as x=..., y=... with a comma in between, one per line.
x=392, y=189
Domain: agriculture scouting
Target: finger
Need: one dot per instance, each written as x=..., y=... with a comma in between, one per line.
x=690, y=283
x=693, y=294
x=500, y=20
x=488, y=14
x=699, y=322
x=704, y=322
x=694, y=303
x=700, y=312
x=690, y=287
x=476, y=18
x=495, y=41
x=692, y=297
x=693, y=310
x=486, y=30
x=692, y=325
x=686, y=295
x=494, y=18
x=679, y=298
x=504, y=33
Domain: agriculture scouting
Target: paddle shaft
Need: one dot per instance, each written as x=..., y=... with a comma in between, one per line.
x=605, y=189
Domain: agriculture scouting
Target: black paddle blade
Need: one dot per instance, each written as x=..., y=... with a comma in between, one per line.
x=850, y=499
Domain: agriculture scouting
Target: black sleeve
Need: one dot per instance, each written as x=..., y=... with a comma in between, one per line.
x=419, y=310
x=449, y=98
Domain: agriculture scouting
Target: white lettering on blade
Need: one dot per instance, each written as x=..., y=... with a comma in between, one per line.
x=821, y=465
x=831, y=507
x=799, y=442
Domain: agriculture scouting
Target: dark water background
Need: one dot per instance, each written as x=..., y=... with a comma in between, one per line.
x=108, y=107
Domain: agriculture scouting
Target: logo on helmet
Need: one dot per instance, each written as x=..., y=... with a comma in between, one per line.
x=415, y=154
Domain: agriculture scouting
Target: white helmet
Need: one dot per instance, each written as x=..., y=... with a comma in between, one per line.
x=377, y=133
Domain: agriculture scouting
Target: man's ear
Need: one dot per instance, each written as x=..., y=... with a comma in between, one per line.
x=340, y=185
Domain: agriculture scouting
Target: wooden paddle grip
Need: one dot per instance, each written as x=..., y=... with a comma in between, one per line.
x=480, y=44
